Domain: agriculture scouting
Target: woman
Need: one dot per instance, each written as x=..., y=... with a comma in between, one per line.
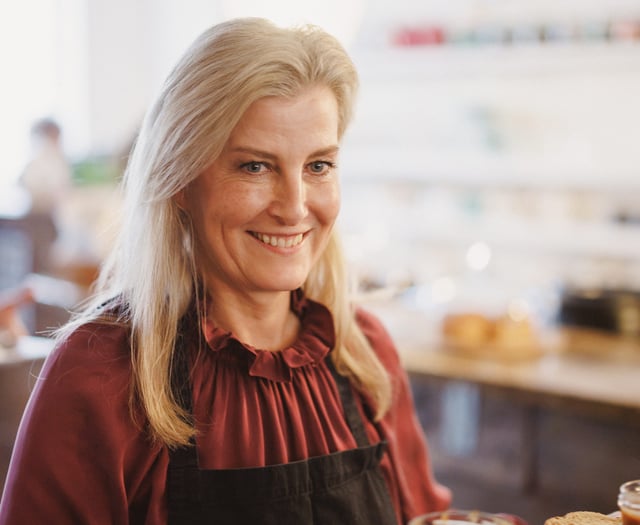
x=222, y=376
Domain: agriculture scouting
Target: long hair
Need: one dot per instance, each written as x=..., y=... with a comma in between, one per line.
x=152, y=266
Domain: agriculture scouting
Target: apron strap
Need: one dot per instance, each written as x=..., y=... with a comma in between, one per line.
x=181, y=386
x=351, y=413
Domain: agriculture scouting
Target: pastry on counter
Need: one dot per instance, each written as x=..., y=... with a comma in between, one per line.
x=468, y=328
x=479, y=335
x=514, y=332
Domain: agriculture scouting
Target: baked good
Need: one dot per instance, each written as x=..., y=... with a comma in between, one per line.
x=513, y=333
x=583, y=518
x=468, y=328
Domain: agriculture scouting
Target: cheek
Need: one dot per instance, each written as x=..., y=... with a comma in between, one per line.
x=328, y=204
x=219, y=205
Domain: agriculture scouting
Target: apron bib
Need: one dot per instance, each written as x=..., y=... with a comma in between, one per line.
x=342, y=488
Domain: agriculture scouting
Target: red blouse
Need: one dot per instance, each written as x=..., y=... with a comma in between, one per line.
x=79, y=457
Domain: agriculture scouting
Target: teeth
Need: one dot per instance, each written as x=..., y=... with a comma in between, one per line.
x=280, y=242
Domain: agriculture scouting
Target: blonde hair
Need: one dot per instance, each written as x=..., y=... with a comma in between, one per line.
x=152, y=266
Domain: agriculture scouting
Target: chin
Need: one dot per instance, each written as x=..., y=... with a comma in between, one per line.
x=290, y=287
x=285, y=285
x=285, y=279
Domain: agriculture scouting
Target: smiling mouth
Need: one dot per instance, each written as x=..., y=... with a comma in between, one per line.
x=288, y=241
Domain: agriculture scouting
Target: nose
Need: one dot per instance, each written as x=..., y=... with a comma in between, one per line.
x=289, y=204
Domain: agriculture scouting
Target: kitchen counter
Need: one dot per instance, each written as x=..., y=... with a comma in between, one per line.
x=572, y=371
x=572, y=364
x=561, y=374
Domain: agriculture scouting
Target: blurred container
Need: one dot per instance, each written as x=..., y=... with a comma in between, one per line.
x=629, y=502
x=625, y=30
x=419, y=36
x=610, y=310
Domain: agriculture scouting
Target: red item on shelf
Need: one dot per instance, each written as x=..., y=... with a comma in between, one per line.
x=419, y=36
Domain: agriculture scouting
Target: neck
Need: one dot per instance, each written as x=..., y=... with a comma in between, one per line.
x=264, y=321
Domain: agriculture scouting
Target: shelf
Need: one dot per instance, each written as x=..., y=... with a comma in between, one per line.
x=385, y=163
x=419, y=222
x=603, y=248
x=389, y=65
x=541, y=237
x=551, y=115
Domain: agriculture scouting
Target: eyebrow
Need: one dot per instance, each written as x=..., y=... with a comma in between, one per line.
x=266, y=155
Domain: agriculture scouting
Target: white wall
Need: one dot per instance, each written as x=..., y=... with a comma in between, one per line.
x=133, y=45
x=43, y=56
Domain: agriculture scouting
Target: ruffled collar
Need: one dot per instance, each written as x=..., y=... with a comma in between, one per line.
x=316, y=338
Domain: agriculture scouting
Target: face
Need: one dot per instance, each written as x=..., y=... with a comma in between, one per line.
x=264, y=210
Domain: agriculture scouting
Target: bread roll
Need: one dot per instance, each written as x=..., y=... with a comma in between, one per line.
x=468, y=328
x=583, y=518
x=514, y=334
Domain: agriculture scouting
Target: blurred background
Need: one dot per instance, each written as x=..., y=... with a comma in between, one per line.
x=491, y=210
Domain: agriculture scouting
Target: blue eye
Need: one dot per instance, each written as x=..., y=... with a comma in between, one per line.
x=320, y=167
x=253, y=167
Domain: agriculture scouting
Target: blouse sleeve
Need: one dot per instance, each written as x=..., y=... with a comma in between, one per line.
x=415, y=487
x=79, y=457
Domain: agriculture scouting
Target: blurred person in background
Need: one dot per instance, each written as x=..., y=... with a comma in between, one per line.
x=222, y=373
x=47, y=178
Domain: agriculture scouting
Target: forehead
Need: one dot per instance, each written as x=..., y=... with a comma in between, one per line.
x=313, y=109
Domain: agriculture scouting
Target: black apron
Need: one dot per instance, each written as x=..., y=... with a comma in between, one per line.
x=342, y=488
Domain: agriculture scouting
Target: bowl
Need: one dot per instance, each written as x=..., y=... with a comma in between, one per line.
x=465, y=517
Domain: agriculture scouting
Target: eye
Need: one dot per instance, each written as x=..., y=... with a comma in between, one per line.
x=320, y=167
x=254, y=167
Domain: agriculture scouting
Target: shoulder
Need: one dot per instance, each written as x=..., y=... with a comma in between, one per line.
x=370, y=324
x=101, y=339
x=101, y=335
x=91, y=353
x=85, y=386
x=378, y=337
x=79, y=426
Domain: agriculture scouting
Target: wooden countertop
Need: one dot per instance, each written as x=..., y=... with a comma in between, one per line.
x=576, y=364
